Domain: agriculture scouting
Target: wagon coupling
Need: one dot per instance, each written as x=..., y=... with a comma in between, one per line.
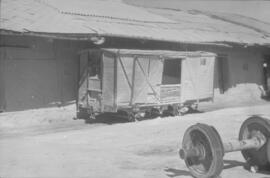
x=203, y=150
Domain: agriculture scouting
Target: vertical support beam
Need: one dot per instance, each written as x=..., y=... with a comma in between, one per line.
x=87, y=80
x=2, y=80
x=133, y=81
x=78, y=81
x=213, y=89
x=183, y=61
x=149, y=66
x=115, y=80
x=101, y=68
x=59, y=72
x=222, y=61
x=266, y=72
x=221, y=74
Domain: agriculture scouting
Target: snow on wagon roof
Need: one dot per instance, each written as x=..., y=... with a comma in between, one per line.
x=82, y=19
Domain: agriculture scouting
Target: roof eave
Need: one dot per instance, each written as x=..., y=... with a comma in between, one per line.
x=90, y=36
x=65, y=36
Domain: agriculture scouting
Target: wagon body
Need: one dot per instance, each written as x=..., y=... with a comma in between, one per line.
x=113, y=79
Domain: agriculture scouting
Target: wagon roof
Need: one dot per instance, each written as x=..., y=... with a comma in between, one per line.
x=161, y=53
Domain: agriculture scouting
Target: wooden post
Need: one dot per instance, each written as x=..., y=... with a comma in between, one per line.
x=2, y=80
x=78, y=81
x=133, y=80
x=87, y=80
x=115, y=80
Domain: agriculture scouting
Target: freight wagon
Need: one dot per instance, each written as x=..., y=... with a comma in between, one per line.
x=139, y=83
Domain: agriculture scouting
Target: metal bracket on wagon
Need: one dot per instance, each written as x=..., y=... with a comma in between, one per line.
x=203, y=149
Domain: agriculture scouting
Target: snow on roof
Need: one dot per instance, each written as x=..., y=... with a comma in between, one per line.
x=242, y=20
x=256, y=9
x=253, y=14
x=113, y=18
x=105, y=8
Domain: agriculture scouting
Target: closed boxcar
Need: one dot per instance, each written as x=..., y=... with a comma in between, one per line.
x=139, y=82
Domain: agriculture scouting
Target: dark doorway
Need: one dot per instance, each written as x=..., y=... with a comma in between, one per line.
x=171, y=72
x=223, y=72
x=266, y=73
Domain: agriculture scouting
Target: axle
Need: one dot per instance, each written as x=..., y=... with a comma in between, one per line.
x=255, y=142
x=236, y=145
x=203, y=149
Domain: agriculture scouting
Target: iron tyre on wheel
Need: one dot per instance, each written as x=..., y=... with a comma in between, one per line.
x=256, y=157
x=207, y=138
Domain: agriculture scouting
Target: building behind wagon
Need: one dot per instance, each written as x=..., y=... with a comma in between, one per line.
x=40, y=42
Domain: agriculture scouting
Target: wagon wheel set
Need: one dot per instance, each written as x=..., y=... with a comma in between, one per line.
x=152, y=112
x=203, y=149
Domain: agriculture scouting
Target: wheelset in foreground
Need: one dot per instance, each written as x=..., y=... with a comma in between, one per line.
x=203, y=149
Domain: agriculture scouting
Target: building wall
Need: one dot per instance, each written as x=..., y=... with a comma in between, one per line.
x=243, y=76
x=40, y=72
x=66, y=54
x=29, y=73
x=37, y=72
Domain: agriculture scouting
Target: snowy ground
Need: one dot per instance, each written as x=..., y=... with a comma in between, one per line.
x=141, y=149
